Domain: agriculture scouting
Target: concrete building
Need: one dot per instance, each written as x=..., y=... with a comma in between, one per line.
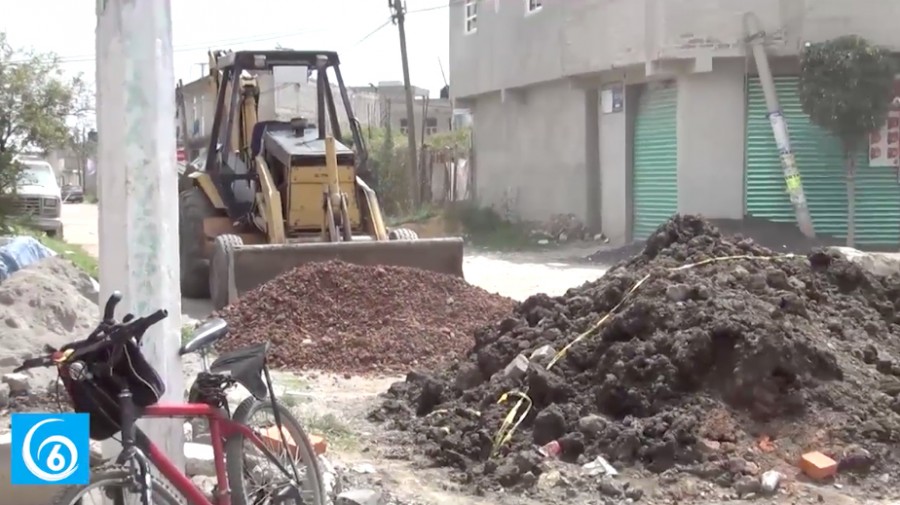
x=76, y=165
x=392, y=106
x=626, y=111
x=200, y=105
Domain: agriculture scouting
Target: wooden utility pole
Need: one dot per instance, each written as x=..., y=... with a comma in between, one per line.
x=137, y=180
x=399, y=17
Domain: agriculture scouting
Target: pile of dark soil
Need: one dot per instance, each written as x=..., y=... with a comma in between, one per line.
x=344, y=318
x=779, y=237
x=723, y=370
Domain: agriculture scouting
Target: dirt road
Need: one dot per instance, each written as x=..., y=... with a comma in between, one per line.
x=516, y=275
x=80, y=226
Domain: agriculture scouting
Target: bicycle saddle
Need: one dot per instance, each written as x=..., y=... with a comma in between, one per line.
x=245, y=366
x=205, y=335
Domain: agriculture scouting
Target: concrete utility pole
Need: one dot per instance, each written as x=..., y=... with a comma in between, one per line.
x=138, y=186
x=399, y=17
x=755, y=38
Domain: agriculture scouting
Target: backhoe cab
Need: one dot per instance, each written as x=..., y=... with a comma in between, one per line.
x=276, y=194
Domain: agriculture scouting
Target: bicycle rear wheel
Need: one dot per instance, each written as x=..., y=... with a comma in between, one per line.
x=109, y=484
x=249, y=482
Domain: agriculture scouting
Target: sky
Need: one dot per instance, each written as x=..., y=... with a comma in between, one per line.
x=359, y=30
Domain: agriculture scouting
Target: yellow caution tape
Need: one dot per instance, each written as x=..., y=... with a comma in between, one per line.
x=511, y=422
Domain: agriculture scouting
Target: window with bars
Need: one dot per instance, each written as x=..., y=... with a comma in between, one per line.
x=533, y=5
x=471, y=15
x=431, y=126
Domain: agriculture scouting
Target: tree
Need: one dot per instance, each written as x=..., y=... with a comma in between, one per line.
x=36, y=100
x=845, y=87
x=83, y=144
x=82, y=139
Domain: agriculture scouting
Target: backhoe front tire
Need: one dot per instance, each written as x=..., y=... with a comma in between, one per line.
x=193, y=208
x=220, y=275
x=402, y=234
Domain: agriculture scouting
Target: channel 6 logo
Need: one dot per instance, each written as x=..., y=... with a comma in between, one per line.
x=50, y=449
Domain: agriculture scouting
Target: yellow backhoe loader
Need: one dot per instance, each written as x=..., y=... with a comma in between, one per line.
x=277, y=194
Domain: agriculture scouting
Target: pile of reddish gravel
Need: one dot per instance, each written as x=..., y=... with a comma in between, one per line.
x=344, y=318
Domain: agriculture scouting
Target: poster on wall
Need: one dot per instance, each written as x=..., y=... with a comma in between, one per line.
x=780, y=131
x=884, y=144
x=612, y=98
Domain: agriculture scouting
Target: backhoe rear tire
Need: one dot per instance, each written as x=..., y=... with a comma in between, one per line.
x=219, y=272
x=193, y=208
x=402, y=234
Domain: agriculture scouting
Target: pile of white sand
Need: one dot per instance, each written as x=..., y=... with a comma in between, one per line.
x=49, y=302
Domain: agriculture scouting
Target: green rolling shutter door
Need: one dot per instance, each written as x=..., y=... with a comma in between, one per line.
x=821, y=165
x=655, y=187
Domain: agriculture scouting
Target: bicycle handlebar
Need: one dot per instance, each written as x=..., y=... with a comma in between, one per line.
x=107, y=333
x=109, y=311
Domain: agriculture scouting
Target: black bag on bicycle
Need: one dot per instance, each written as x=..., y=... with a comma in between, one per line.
x=98, y=395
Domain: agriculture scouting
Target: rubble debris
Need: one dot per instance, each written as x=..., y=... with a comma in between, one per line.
x=364, y=468
x=818, y=466
x=95, y=454
x=855, y=459
x=206, y=484
x=517, y=368
x=770, y=481
x=199, y=459
x=19, y=383
x=39, y=400
x=599, y=466
x=359, y=497
x=685, y=380
x=344, y=318
x=562, y=228
x=331, y=479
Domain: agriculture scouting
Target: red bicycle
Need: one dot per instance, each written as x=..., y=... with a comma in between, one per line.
x=106, y=376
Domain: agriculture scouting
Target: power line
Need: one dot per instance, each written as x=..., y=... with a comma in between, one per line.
x=445, y=5
x=390, y=20
x=429, y=9
x=202, y=46
x=373, y=32
x=66, y=60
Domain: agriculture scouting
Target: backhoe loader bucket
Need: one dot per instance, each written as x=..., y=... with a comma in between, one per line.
x=247, y=266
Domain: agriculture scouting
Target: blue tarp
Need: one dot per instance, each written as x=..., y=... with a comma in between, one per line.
x=19, y=252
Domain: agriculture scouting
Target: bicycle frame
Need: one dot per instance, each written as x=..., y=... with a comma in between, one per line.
x=220, y=428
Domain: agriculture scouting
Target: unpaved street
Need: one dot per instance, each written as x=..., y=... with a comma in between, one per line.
x=516, y=275
x=80, y=226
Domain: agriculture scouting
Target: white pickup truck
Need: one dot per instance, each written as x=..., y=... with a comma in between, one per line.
x=38, y=197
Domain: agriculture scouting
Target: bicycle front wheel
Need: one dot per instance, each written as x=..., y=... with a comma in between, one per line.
x=251, y=476
x=111, y=484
